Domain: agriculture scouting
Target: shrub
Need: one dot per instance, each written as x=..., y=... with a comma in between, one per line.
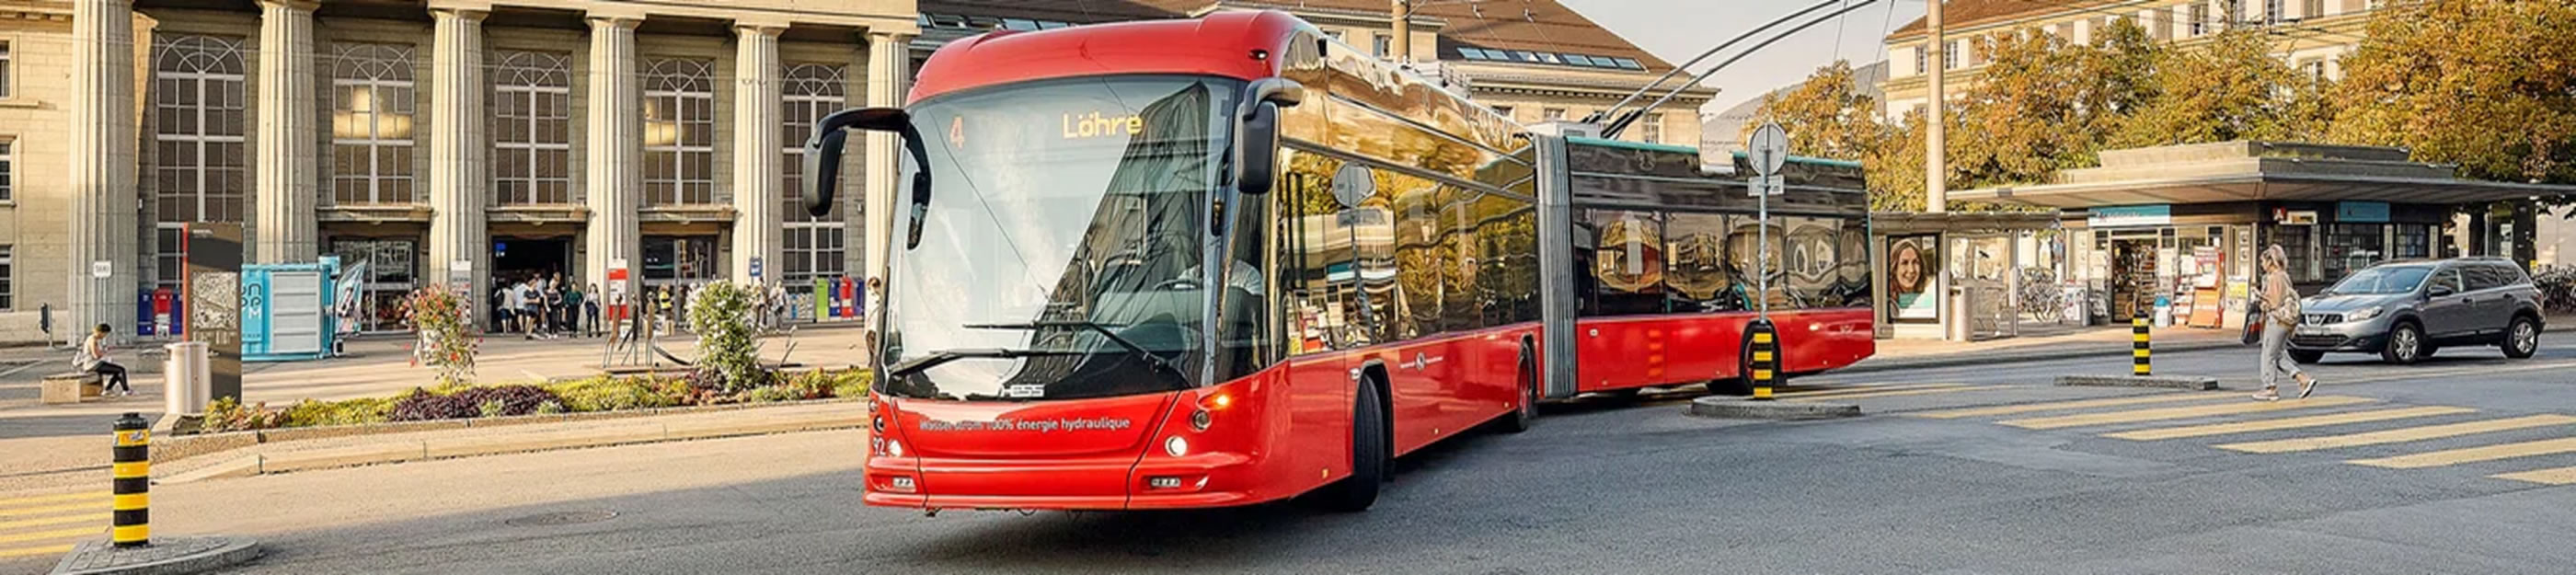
x=720, y=314
x=446, y=342
x=472, y=402
x=365, y=410
x=852, y=383
x=605, y=393
x=228, y=414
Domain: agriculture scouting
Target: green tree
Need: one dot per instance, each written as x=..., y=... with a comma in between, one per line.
x=437, y=315
x=2231, y=89
x=2487, y=84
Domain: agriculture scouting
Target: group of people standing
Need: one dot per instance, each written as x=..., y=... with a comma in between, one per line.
x=545, y=306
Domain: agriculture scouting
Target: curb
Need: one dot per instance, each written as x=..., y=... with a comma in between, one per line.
x=174, y=448
x=1956, y=360
x=435, y=448
x=1740, y=408
x=2195, y=383
x=208, y=554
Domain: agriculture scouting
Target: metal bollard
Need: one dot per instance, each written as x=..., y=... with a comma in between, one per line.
x=133, y=470
x=1766, y=358
x=2139, y=354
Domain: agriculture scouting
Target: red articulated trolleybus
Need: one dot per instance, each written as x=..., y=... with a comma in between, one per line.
x=1223, y=261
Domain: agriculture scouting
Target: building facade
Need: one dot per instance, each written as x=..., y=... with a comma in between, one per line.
x=438, y=142
x=2312, y=35
x=1533, y=60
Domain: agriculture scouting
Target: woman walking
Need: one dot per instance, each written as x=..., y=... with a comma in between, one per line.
x=92, y=358
x=2280, y=314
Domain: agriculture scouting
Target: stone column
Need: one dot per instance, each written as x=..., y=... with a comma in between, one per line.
x=889, y=79
x=103, y=212
x=458, y=166
x=756, y=171
x=616, y=151
x=286, y=167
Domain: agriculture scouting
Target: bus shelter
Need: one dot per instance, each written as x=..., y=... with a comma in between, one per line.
x=2172, y=231
x=1956, y=275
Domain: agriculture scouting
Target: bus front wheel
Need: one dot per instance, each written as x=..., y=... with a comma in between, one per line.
x=1521, y=419
x=1368, y=455
x=1742, y=383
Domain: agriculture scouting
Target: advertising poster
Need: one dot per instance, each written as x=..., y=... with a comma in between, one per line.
x=1911, y=261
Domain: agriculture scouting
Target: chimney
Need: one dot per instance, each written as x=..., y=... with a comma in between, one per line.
x=1403, y=44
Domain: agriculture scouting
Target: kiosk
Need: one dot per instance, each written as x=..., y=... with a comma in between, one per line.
x=286, y=311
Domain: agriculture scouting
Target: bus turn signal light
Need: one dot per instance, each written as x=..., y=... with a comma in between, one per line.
x=1216, y=401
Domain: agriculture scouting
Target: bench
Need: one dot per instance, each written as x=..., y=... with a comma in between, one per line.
x=70, y=387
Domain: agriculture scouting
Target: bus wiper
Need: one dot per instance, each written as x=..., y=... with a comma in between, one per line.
x=1152, y=359
x=926, y=361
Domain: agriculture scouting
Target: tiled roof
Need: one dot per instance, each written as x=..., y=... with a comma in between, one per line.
x=1967, y=13
x=1076, y=11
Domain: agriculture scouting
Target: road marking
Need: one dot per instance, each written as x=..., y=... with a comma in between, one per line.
x=45, y=550
x=2399, y=435
x=99, y=517
x=1906, y=392
x=2559, y=476
x=1832, y=391
x=2481, y=370
x=55, y=534
x=2473, y=454
x=2286, y=423
x=2057, y=405
x=100, y=495
x=2138, y=415
x=48, y=509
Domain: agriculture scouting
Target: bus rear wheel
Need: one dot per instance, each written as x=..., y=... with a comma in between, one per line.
x=1368, y=455
x=1742, y=383
x=1521, y=419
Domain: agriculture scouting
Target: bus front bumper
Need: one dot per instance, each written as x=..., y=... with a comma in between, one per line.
x=1073, y=484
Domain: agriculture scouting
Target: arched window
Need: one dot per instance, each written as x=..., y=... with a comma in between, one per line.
x=371, y=124
x=200, y=166
x=679, y=132
x=531, y=129
x=814, y=247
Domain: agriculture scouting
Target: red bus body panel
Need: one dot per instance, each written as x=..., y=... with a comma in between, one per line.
x=1221, y=44
x=1659, y=350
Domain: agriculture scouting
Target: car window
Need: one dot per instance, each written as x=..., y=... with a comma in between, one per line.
x=2510, y=275
x=2449, y=277
x=2484, y=277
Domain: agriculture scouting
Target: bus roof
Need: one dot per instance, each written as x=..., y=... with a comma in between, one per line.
x=1220, y=44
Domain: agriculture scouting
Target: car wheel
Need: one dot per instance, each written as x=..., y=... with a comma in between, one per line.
x=2306, y=357
x=1368, y=455
x=2522, y=339
x=2405, y=345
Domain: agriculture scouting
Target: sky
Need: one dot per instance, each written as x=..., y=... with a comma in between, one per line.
x=1676, y=30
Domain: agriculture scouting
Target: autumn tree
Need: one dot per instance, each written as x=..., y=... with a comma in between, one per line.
x=2231, y=89
x=1829, y=116
x=2486, y=84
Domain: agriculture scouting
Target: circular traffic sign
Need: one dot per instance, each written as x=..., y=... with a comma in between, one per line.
x=1353, y=185
x=1768, y=148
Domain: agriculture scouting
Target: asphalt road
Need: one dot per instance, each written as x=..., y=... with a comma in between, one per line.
x=1602, y=486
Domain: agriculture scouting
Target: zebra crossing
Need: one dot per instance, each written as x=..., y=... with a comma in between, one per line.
x=2323, y=423
x=43, y=525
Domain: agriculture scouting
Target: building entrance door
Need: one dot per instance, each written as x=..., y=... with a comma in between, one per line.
x=517, y=259
x=2133, y=277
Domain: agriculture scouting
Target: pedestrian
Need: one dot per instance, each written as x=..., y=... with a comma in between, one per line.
x=665, y=312
x=92, y=358
x=554, y=295
x=501, y=307
x=590, y=310
x=572, y=309
x=529, y=301
x=512, y=300
x=2280, y=314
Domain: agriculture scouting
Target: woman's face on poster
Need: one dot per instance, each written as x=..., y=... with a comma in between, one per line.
x=1909, y=269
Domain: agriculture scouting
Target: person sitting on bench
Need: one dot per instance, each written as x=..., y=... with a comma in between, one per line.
x=92, y=358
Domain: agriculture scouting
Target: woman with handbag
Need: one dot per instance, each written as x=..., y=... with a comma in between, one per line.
x=2280, y=314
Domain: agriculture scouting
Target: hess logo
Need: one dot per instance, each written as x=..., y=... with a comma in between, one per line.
x=1095, y=125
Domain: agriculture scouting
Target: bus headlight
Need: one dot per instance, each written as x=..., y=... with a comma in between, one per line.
x=894, y=448
x=1176, y=446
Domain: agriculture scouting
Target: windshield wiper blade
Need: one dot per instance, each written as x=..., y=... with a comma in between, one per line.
x=926, y=361
x=1154, y=360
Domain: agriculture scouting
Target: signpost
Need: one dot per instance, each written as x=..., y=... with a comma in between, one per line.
x=215, y=302
x=1767, y=151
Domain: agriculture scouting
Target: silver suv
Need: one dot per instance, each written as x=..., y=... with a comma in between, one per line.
x=2403, y=311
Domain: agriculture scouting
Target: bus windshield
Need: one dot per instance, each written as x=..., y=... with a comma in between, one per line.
x=1060, y=252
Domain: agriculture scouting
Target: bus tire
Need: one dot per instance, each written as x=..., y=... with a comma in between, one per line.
x=1527, y=414
x=1368, y=455
x=1742, y=383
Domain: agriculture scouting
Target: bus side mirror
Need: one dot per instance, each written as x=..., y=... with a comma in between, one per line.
x=823, y=159
x=1256, y=132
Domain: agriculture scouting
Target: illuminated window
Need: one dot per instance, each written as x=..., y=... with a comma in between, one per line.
x=679, y=132
x=532, y=129
x=371, y=124
x=200, y=168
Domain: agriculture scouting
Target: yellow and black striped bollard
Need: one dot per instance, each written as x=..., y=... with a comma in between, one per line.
x=1766, y=358
x=2139, y=354
x=133, y=469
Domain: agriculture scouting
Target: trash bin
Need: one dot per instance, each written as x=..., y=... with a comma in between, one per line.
x=184, y=378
